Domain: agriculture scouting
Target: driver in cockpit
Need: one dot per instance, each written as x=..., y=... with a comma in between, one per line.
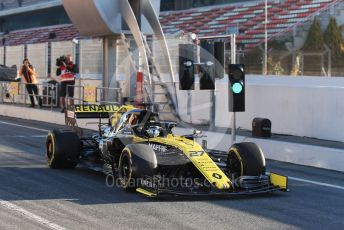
x=132, y=120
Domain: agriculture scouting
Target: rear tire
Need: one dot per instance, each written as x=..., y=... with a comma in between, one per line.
x=62, y=149
x=246, y=159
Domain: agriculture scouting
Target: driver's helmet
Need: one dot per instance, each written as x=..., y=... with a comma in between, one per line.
x=153, y=131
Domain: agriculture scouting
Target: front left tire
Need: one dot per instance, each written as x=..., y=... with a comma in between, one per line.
x=136, y=162
x=246, y=159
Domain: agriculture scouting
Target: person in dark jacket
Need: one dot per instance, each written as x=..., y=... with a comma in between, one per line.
x=27, y=73
x=66, y=72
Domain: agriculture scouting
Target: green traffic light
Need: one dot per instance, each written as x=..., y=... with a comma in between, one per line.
x=237, y=88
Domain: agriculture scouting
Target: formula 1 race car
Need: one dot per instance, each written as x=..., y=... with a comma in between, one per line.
x=145, y=155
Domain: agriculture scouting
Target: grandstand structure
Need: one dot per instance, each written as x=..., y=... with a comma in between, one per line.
x=249, y=18
x=11, y=4
x=285, y=18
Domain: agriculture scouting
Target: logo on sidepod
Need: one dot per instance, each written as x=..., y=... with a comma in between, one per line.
x=148, y=183
x=156, y=147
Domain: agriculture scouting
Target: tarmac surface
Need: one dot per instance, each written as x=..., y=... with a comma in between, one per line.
x=32, y=196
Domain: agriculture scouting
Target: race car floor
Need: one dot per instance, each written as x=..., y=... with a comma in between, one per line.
x=32, y=196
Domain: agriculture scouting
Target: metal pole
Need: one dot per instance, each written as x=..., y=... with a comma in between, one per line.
x=1, y=92
x=212, y=92
x=50, y=91
x=233, y=49
x=266, y=40
x=329, y=62
x=322, y=65
x=294, y=63
x=233, y=61
x=188, y=111
x=213, y=109
x=105, y=65
x=233, y=140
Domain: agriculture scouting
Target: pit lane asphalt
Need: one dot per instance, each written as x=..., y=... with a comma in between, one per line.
x=79, y=199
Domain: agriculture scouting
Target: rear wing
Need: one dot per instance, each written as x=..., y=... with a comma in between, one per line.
x=94, y=112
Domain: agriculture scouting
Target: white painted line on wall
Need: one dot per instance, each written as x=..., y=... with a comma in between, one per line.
x=31, y=216
x=24, y=126
x=316, y=183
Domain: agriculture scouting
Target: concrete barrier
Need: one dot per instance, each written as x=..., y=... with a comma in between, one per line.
x=300, y=106
x=48, y=116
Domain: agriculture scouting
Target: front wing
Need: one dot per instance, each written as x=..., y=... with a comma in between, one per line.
x=247, y=185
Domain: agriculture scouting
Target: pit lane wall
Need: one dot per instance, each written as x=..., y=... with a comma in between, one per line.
x=302, y=154
x=299, y=106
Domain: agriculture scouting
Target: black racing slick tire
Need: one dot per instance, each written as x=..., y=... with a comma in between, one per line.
x=246, y=159
x=62, y=149
x=136, y=162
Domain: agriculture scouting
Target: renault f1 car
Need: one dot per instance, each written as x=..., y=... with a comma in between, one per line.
x=145, y=155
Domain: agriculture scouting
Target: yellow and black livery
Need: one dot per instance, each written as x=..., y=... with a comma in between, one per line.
x=146, y=156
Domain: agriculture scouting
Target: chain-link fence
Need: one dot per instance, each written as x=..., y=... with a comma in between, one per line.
x=14, y=55
x=48, y=93
x=58, y=49
x=91, y=58
x=16, y=93
x=38, y=56
x=280, y=59
x=281, y=62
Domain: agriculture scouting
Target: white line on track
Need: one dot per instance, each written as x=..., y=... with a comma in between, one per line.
x=22, y=136
x=38, y=136
x=316, y=183
x=30, y=215
x=24, y=126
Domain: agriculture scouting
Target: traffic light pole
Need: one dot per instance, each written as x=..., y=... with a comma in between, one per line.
x=233, y=61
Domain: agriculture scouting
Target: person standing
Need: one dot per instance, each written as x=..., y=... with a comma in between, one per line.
x=27, y=73
x=67, y=71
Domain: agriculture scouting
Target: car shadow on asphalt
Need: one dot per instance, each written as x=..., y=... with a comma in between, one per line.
x=81, y=185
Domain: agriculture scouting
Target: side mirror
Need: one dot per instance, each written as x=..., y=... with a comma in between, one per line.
x=204, y=144
x=197, y=132
x=171, y=125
